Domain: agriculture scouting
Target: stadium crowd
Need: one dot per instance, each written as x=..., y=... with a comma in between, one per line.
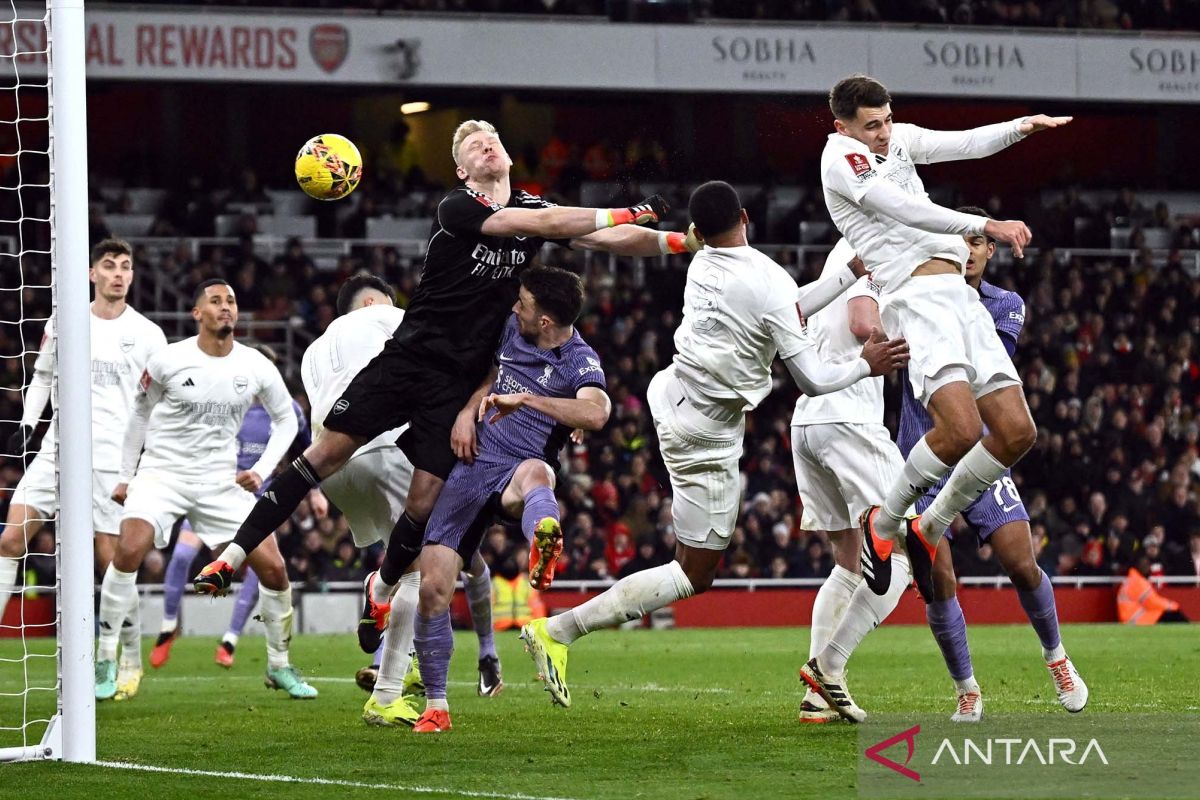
x=1108, y=354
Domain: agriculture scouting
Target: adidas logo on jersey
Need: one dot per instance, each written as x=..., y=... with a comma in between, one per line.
x=189, y=382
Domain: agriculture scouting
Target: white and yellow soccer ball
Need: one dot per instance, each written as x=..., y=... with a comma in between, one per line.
x=328, y=167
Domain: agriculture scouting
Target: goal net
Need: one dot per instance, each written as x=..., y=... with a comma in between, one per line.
x=47, y=708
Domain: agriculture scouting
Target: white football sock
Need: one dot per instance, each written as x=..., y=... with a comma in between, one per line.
x=131, y=634
x=630, y=598
x=169, y=624
x=972, y=476
x=9, y=567
x=437, y=704
x=865, y=611
x=233, y=555
x=832, y=600
x=118, y=595
x=398, y=639
x=922, y=469
x=276, y=615
x=967, y=684
x=1057, y=654
x=231, y=638
x=380, y=591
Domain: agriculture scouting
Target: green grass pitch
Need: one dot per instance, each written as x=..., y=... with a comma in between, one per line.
x=657, y=714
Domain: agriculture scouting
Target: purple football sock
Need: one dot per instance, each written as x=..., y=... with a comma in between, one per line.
x=950, y=630
x=1043, y=616
x=435, y=644
x=247, y=598
x=479, y=598
x=539, y=504
x=177, y=577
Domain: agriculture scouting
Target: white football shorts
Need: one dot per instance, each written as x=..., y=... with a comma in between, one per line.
x=370, y=489
x=951, y=336
x=841, y=469
x=701, y=455
x=215, y=509
x=38, y=488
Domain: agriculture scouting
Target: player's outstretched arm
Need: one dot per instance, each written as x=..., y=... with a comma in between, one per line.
x=588, y=410
x=563, y=222
x=630, y=240
x=932, y=147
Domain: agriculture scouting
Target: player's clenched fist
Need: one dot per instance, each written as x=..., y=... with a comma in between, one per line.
x=249, y=480
x=462, y=437
x=652, y=209
x=119, y=493
x=884, y=355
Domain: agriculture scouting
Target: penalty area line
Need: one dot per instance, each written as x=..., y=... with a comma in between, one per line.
x=250, y=776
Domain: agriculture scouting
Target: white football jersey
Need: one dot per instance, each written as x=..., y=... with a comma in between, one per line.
x=890, y=249
x=860, y=402
x=198, y=405
x=120, y=349
x=339, y=354
x=739, y=312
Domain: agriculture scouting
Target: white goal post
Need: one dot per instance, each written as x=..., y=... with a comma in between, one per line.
x=71, y=731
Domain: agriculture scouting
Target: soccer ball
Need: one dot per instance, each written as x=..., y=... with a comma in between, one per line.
x=328, y=167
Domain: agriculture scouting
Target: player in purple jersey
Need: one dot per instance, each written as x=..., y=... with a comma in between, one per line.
x=999, y=520
x=545, y=382
x=252, y=439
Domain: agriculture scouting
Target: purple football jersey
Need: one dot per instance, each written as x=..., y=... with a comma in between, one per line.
x=525, y=367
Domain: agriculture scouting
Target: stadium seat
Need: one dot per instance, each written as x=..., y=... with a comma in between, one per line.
x=275, y=225
x=389, y=228
x=127, y=225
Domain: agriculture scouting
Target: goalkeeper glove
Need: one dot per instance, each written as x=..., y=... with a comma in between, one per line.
x=652, y=209
x=670, y=242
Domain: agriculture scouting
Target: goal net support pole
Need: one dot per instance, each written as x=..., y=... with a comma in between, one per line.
x=76, y=728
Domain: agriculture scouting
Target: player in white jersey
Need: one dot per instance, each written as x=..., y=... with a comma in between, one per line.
x=193, y=396
x=845, y=460
x=122, y=341
x=914, y=249
x=739, y=313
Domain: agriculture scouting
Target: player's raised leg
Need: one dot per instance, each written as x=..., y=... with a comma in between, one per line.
x=1010, y=434
x=321, y=459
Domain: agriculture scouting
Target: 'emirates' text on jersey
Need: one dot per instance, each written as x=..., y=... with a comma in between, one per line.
x=1008, y=312
x=739, y=311
x=468, y=284
x=120, y=349
x=202, y=400
x=525, y=367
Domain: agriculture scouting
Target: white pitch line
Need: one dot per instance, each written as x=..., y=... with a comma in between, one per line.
x=644, y=687
x=250, y=776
